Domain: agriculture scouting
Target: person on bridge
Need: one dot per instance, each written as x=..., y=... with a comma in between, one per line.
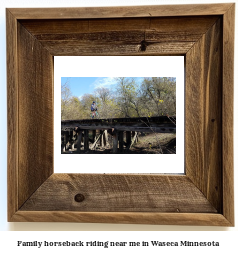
x=94, y=109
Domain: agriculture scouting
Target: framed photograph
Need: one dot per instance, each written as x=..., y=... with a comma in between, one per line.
x=202, y=195
x=139, y=118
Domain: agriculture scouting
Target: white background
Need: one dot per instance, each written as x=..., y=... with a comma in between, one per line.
x=119, y=66
x=8, y=239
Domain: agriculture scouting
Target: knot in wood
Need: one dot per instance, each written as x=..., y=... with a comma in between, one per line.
x=143, y=45
x=79, y=198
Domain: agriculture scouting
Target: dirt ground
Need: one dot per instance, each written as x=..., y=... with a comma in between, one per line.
x=148, y=143
x=155, y=143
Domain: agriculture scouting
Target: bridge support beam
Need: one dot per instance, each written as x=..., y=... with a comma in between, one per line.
x=94, y=135
x=120, y=136
x=62, y=141
x=66, y=139
x=134, y=138
x=70, y=139
x=101, y=138
x=128, y=139
x=86, y=140
x=105, y=138
x=74, y=139
x=79, y=141
x=115, y=141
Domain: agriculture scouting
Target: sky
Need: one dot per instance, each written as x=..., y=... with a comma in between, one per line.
x=82, y=85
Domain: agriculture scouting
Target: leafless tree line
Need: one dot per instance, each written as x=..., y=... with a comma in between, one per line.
x=153, y=96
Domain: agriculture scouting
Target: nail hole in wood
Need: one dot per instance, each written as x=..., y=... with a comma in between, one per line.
x=213, y=120
x=79, y=198
x=143, y=45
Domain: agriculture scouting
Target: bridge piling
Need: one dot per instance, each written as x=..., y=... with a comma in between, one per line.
x=86, y=140
x=94, y=135
x=79, y=141
x=105, y=138
x=134, y=138
x=128, y=139
x=115, y=141
x=120, y=136
x=101, y=138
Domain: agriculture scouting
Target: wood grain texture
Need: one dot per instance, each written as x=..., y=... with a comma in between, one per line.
x=227, y=113
x=36, y=114
x=115, y=49
x=179, y=25
x=192, y=219
x=203, y=115
x=114, y=193
x=12, y=115
x=119, y=36
x=114, y=12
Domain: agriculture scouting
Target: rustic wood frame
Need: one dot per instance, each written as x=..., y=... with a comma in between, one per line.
x=203, y=33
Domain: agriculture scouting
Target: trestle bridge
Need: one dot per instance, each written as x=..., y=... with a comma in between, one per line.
x=123, y=132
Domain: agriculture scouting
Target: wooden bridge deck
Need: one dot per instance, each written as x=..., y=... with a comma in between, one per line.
x=161, y=124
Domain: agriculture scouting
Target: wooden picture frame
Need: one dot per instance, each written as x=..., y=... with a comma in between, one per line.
x=204, y=34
